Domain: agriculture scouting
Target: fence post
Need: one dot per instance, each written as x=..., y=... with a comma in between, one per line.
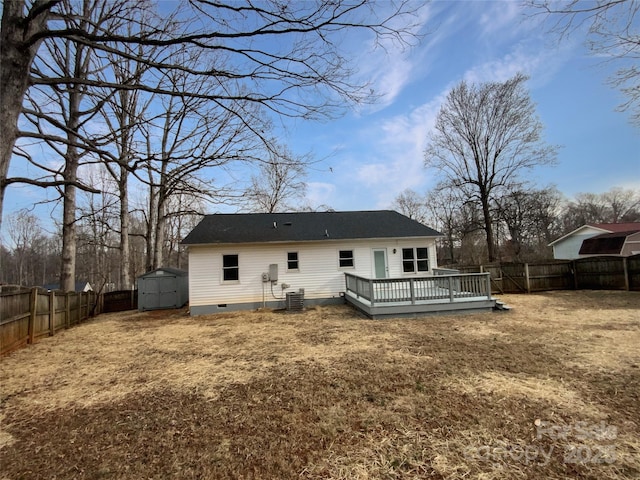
x=32, y=314
x=527, y=283
x=575, y=274
x=625, y=268
x=52, y=312
x=67, y=310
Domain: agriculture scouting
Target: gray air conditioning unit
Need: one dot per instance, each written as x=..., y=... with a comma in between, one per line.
x=295, y=301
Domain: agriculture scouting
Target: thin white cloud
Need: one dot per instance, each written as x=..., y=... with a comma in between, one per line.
x=540, y=64
x=320, y=193
x=388, y=65
x=401, y=140
x=499, y=17
x=393, y=148
x=400, y=154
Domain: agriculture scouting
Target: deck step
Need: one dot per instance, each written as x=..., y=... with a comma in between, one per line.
x=501, y=306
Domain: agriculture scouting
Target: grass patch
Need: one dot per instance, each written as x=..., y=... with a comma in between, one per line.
x=548, y=390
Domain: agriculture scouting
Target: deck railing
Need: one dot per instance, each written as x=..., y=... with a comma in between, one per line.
x=442, y=288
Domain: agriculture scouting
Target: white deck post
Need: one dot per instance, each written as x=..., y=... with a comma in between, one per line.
x=372, y=292
x=413, y=291
x=488, y=285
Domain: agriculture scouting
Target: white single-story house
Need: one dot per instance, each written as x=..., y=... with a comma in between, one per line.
x=247, y=261
x=570, y=246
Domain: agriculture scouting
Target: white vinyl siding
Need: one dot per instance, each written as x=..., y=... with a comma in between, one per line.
x=319, y=272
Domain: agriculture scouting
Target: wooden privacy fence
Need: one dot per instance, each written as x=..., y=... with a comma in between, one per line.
x=27, y=315
x=119, y=301
x=596, y=273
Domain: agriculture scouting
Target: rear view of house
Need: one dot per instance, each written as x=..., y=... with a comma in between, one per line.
x=246, y=261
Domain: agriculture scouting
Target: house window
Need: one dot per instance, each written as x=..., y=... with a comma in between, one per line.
x=415, y=260
x=292, y=261
x=346, y=258
x=230, y=268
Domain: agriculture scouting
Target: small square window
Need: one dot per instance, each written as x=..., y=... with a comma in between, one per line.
x=422, y=259
x=230, y=268
x=346, y=258
x=415, y=260
x=292, y=261
x=407, y=260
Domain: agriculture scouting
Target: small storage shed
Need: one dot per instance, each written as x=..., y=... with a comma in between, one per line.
x=163, y=288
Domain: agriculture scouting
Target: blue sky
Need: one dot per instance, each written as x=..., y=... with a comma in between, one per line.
x=369, y=156
x=377, y=152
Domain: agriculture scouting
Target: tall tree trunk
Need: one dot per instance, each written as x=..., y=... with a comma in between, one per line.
x=16, y=57
x=125, y=249
x=158, y=257
x=488, y=228
x=69, y=234
x=151, y=225
x=69, y=230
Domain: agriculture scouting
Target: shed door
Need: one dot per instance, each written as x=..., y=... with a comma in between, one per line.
x=160, y=292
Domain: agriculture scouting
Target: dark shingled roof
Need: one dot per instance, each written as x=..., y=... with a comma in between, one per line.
x=304, y=227
x=605, y=244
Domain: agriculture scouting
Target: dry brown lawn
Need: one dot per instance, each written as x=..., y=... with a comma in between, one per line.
x=548, y=390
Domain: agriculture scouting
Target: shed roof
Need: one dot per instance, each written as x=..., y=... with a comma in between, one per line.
x=172, y=271
x=305, y=226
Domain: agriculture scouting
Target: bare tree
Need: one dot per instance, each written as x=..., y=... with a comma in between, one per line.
x=615, y=206
x=279, y=186
x=444, y=209
x=124, y=114
x=182, y=218
x=613, y=35
x=98, y=234
x=485, y=137
x=530, y=217
x=411, y=204
x=61, y=115
x=287, y=56
x=188, y=140
x=24, y=231
x=623, y=204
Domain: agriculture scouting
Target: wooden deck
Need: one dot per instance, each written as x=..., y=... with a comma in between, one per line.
x=416, y=296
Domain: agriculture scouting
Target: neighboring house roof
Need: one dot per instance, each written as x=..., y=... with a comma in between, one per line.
x=605, y=244
x=618, y=227
x=577, y=231
x=603, y=227
x=304, y=226
x=79, y=287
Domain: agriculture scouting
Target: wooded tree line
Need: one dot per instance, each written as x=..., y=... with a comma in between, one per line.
x=133, y=115
x=526, y=219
